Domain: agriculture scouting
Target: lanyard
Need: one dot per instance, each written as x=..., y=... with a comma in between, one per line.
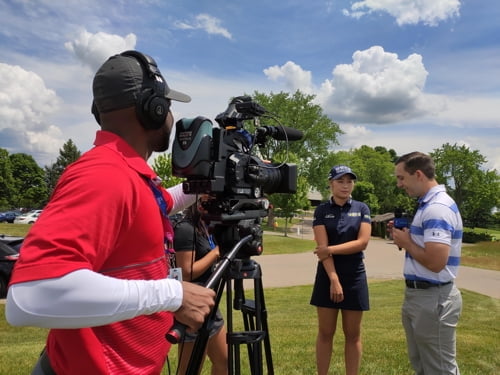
x=168, y=231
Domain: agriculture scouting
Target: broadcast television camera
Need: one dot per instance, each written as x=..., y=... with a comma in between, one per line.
x=218, y=161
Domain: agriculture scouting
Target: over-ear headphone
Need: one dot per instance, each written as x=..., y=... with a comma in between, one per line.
x=151, y=105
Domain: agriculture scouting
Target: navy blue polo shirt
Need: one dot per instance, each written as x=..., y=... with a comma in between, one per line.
x=342, y=223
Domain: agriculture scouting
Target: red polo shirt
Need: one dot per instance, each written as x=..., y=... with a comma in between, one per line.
x=102, y=216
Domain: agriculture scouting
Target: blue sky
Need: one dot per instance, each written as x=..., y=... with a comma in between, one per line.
x=404, y=74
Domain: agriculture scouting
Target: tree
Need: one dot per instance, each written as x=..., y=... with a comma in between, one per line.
x=484, y=197
x=7, y=189
x=67, y=155
x=299, y=112
x=475, y=190
x=376, y=184
x=162, y=165
x=364, y=191
x=377, y=167
x=29, y=182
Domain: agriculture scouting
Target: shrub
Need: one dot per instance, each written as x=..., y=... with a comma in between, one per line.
x=474, y=237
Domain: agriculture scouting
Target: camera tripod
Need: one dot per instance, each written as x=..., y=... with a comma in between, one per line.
x=230, y=273
x=254, y=319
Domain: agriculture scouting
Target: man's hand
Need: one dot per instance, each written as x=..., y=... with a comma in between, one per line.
x=197, y=302
x=401, y=237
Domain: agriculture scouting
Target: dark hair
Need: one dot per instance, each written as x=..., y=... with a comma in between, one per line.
x=418, y=161
x=192, y=214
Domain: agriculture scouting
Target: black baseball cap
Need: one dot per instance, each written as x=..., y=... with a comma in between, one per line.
x=120, y=81
x=340, y=170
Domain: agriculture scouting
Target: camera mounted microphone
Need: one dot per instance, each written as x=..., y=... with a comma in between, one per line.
x=280, y=133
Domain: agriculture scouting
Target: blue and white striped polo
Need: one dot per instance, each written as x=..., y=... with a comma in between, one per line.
x=436, y=220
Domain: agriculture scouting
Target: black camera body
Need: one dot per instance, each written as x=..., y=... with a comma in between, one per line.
x=218, y=161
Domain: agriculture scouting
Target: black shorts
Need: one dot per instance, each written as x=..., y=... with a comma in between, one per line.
x=214, y=326
x=352, y=276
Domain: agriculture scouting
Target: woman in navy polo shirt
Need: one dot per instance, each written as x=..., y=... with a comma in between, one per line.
x=342, y=230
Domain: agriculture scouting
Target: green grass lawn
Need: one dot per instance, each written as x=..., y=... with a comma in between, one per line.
x=292, y=324
x=292, y=329
x=14, y=229
x=482, y=255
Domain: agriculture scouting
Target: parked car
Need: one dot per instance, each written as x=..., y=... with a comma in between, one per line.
x=8, y=216
x=9, y=253
x=28, y=218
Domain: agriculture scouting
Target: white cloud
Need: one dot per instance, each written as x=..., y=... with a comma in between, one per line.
x=31, y=112
x=295, y=77
x=354, y=135
x=207, y=23
x=26, y=105
x=380, y=99
x=428, y=12
x=93, y=49
x=377, y=87
x=380, y=88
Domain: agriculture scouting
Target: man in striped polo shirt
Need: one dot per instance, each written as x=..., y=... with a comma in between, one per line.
x=432, y=303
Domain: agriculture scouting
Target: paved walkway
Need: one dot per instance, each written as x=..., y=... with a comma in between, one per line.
x=382, y=259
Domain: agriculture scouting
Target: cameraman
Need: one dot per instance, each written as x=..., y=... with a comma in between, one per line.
x=93, y=267
x=432, y=303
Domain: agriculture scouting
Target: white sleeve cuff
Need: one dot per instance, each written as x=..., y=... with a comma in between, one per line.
x=85, y=298
x=181, y=200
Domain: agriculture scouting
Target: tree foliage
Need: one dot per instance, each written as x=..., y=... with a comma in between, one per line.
x=7, y=188
x=29, y=181
x=475, y=190
x=162, y=165
x=68, y=154
x=376, y=184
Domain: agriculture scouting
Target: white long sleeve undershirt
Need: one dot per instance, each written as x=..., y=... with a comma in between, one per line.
x=84, y=298
x=181, y=200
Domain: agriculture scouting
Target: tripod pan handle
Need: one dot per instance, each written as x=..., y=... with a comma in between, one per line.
x=175, y=334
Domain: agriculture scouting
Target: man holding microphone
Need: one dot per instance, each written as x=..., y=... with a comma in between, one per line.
x=432, y=303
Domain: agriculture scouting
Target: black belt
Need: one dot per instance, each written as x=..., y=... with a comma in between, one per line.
x=417, y=284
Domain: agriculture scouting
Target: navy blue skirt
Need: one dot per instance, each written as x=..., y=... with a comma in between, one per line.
x=352, y=276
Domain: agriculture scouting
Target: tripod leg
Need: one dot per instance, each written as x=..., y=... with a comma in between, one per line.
x=265, y=328
x=255, y=321
x=201, y=341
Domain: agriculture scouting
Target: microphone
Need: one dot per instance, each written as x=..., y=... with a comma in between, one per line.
x=400, y=220
x=280, y=133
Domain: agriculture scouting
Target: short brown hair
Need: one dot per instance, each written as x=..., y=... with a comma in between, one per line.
x=418, y=161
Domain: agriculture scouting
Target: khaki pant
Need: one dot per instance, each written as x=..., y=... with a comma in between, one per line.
x=430, y=318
